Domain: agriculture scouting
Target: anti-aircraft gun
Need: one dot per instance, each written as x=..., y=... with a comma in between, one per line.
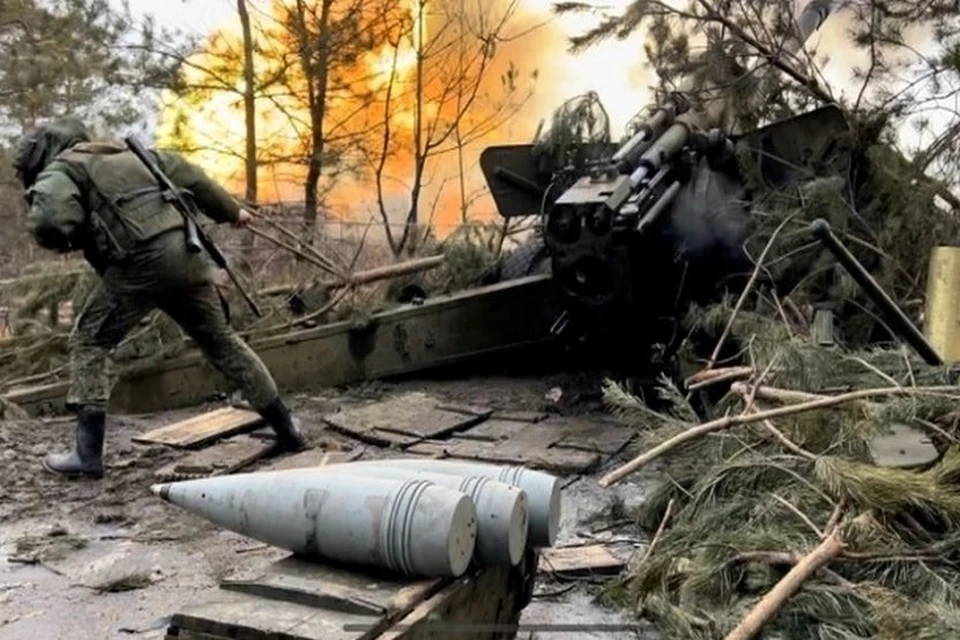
x=632, y=232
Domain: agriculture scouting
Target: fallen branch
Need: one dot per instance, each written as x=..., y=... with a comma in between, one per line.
x=765, y=610
x=392, y=271
x=745, y=293
x=709, y=377
x=320, y=264
x=730, y=421
x=656, y=536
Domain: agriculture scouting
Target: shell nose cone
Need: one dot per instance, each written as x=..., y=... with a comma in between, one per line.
x=162, y=490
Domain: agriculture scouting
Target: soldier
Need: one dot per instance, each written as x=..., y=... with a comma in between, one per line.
x=100, y=199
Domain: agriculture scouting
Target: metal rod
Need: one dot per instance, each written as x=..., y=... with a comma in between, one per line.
x=894, y=314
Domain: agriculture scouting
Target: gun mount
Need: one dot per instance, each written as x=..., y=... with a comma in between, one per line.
x=634, y=230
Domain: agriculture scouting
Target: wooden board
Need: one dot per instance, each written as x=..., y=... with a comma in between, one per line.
x=402, y=420
x=313, y=458
x=552, y=459
x=597, y=436
x=470, y=410
x=299, y=600
x=493, y=430
x=520, y=416
x=222, y=458
x=202, y=429
x=579, y=560
x=475, y=607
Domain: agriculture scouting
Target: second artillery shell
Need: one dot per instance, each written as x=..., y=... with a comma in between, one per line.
x=542, y=489
x=502, y=519
x=412, y=527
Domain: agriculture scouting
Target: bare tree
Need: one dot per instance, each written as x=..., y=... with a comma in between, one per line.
x=249, y=103
x=330, y=89
x=447, y=109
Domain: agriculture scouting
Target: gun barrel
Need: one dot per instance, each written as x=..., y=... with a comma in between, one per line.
x=894, y=314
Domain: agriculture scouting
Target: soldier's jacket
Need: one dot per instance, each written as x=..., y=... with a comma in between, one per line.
x=98, y=198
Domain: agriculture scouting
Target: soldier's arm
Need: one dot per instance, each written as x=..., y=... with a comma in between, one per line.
x=212, y=199
x=57, y=214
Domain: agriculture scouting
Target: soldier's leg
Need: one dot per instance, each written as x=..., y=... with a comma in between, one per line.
x=198, y=310
x=97, y=330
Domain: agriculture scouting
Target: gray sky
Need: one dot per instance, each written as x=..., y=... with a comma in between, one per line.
x=200, y=16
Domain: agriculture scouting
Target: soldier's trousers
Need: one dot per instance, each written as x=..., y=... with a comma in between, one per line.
x=110, y=316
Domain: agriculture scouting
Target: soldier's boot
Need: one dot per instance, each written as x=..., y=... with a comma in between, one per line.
x=86, y=460
x=289, y=436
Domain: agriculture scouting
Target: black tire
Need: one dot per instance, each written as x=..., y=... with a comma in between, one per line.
x=526, y=260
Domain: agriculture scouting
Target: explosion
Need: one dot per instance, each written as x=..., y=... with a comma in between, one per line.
x=415, y=90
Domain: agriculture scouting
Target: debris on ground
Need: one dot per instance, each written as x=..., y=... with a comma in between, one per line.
x=804, y=502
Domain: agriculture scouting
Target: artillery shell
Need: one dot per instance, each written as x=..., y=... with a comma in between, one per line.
x=542, y=489
x=502, y=511
x=412, y=527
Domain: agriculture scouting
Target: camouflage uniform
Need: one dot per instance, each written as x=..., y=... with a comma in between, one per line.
x=99, y=198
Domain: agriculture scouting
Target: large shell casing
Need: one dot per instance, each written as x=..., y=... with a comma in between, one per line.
x=502, y=511
x=542, y=489
x=412, y=527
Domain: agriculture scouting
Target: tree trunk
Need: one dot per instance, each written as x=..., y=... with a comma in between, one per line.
x=250, y=113
x=318, y=103
x=420, y=153
x=249, y=102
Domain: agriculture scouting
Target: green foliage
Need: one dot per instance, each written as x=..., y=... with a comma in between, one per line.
x=745, y=506
x=84, y=58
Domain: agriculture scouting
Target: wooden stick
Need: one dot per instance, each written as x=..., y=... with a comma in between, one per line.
x=305, y=256
x=729, y=421
x=779, y=395
x=293, y=236
x=656, y=536
x=765, y=610
x=723, y=375
x=745, y=293
x=309, y=317
x=392, y=271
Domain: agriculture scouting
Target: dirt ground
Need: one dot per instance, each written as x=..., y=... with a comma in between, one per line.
x=84, y=560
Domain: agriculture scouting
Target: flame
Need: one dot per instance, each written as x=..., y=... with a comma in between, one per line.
x=211, y=125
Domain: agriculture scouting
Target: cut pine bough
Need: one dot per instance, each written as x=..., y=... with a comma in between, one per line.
x=420, y=518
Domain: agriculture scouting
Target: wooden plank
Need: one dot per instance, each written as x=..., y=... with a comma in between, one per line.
x=478, y=606
x=520, y=416
x=470, y=410
x=493, y=430
x=247, y=616
x=222, y=458
x=593, y=435
x=410, y=417
x=331, y=588
x=202, y=429
x=483, y=321
x=579, y=560
x=543, y=434
x=553, y=459
x=300, y=600
x=313, y=458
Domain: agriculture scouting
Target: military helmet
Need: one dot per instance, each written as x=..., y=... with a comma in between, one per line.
x=37, y=148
